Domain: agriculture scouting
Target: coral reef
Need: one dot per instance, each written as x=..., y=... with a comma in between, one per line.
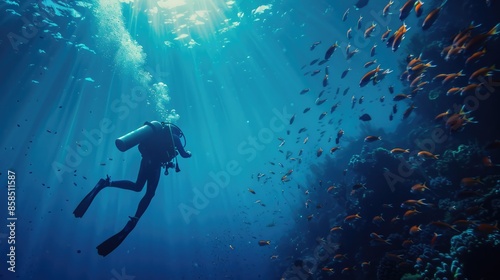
x=389, y=268
x=373, y=164
x=409, y=276
x=458, y=161
x=476, y=254
x=439, y=182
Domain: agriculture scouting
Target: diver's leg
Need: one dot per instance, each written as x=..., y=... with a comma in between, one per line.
x=139, y=183
x=87, y=200
x=153, y=179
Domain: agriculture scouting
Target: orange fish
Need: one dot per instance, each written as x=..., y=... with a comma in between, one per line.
x=460, y=41
x=418, y=8
x=454, y=90
x=365, y=265
x=407, y=243
x=351, y=54
x=378, y=241
x=395, y=219
x=479, y=40
x=399, y=151
x=372, y=50
x=406, y=9
x=327, y=269
x=369, y=76
x=419, y=188
x=421, y=66
x=386, y=34
x=487, y=161
x=358, y=186
x=369, y=30
x=322, y=115
x=340, y=133
x=264, y=242
x=348, y=269
x=414, y=61
x=471, y=181
x=482, y=72
x=475, y=56
x=416, y=90
x=352, y=217
x=372, y=138
x=330, y=188
x=330, y=51
x=415, y=229
x=412, y=203
x=385, y=11
x=408, y=111
x=410, y=213
x=440, y=76
x=401, y=96
x=432, y=16
x=394, y=257
x=446, y=50
x=334, y=149
x=470, y=88
x=453, y=51
x=442, y=115
x=283, y=179
x=395, y=40
x=487, y=228
x=443, y=225
x=339, y=257
x=370, y=63
x=378, y=220
x=346, y=13
x=464, y=33
x=375, y=235
x=426, y=154
x=348, y=34
x=336, y=228
x=457, y=121
x=451, y=77
x=417, y=80
x=421, y=85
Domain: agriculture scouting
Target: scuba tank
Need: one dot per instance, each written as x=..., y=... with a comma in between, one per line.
x=135, y=137
x=144, y=133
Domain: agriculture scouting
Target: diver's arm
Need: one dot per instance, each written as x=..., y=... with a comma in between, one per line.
x=180, y=148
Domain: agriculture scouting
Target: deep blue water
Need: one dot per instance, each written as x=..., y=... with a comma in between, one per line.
x=77, y=75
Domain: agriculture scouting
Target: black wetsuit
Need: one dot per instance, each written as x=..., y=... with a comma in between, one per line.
x=156, y=151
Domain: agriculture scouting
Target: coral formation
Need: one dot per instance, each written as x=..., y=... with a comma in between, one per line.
x=476, y=253
x=458, y=161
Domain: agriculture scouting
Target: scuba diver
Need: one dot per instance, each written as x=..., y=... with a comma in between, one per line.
x=159, y=144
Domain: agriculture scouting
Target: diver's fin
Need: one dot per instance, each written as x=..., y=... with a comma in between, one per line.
x=114, y=241
x=87, y=200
